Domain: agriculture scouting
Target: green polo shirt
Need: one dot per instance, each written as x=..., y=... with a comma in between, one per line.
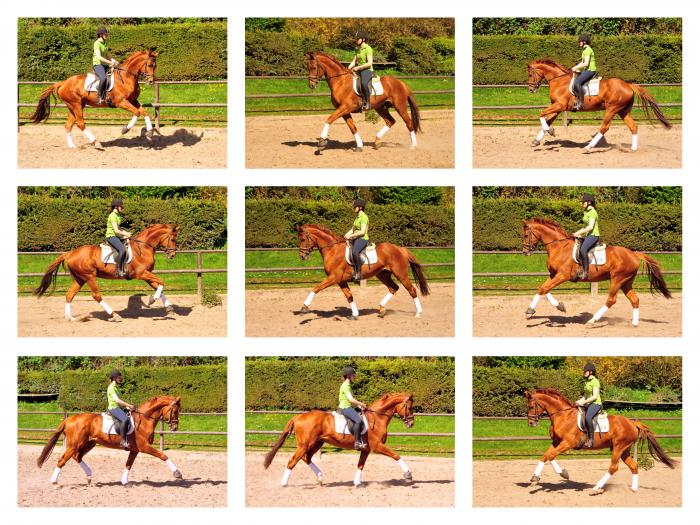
x=359, y=221
x=589, y=214
x=99, y=49
x=588, y=52
x=362, y=54
x=113, y=218
x=592, y=382
x=343, y=401
x=113, y=393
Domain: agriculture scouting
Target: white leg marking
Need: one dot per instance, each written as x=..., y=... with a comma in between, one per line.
x=539, y=468
x=355, y=311
x=594, y=140
x=635, y=142
x=125, y=477
x=309, y=298
x=166, y=301
x=386, y=299
x=54, y=476
x=71, y=144
x=358, y=477
x=159, y=291
x=600, y=313
x=132, y=122
x=382, y=131
x=85, y=468
x=419, y=308
x=88, y=135
x=556, y=466
x=149, y=127
x=603, y=480
x=316, y=470
x=552, y=300
x=170, y=465
x=325, y=130
x=535, y=300
x=635, y=316
x=358, y=140
x=69, y=317
x=285, y=477
x=106, y=307
x=414, y=143
x=402, y=464
x=545, y=126
x=635, y=482
x=540, y=135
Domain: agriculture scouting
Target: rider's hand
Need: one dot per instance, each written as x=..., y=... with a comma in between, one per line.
x=348, y=236
x=127, y=235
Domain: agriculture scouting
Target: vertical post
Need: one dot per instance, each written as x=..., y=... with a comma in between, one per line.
x=199, y=275
x=162, y=437
x=594, y=289
x=363, y=283
x=65, y=416
x=566, y=119
x=156, y=99
x=635, y=451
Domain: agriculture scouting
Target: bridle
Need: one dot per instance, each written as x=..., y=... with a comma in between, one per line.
x=320, y=73
x=141, y=73
x=538, y=81
x=531, y=245
x=166, y=248
x=171, y=421
x=543, y=411
x=406, y=417
x=306, y=249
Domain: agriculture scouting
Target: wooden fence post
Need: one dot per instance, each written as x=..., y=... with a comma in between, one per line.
x=363, y=283
x=566, y=119
x=156, y=99
x=594, y=289
x=199, y=276
x=162, y=437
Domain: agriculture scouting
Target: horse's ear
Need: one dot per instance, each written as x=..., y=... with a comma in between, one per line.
x=176, y=228
x=309, y=55
x=177, y=400
x=526, y=393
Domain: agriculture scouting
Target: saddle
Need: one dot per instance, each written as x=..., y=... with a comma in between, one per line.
x=596, y=256
x=109, y=254
x=111, y=426
x=590, y=88
x=91, y=81
x=601, y=424
x=375, y=86
x=344, y=426
x=367, y=256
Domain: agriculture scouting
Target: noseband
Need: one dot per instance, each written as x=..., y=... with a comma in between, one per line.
x=166, y=248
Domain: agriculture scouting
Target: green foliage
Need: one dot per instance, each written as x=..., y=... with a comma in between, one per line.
x=75, y=362
x=218, y=193
x=210, y=299
x=629, y=194
x=308, y=383
x=186, y=51
x=409, y=195
x=202, y=387
x=58, y=224
x=497, y=223
x=511, y=361
x=650, y=373
x=273, y=53
x=634, y=58
x=574, y=26
x=265, y=24
x=661, y=194
x=273, y=223
x=416, y=55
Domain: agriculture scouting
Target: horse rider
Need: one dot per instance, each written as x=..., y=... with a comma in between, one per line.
x=101, y=62
x=362, y=63
x=591, y=401
x=346, y=401
x=359, y=236
x=115, y=404
x=115, y=234
x=586, y=69
x=590, y=233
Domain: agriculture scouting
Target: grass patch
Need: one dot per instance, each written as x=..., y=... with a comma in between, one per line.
x=532, y=449
x=507, y=263
x=520, y=96
x=216, y=423
x=315, y=104
x=177, y=284
x=169, y=94
x=290, y=259
x=418, y=445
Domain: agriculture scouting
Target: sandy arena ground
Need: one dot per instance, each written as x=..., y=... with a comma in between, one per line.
x=151, y=484
x=509, y=147
x=495, y=316
x=274, y=313
x=44, y=146
x=45, y=318
x=506, y=484
x=433, y=482
x=290, y=142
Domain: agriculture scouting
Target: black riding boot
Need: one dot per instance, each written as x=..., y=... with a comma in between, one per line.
x=365, y=97
x=357, y=430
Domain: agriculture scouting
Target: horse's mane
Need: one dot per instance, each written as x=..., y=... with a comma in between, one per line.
x=554, y=393
x=552, y=63
x=153, y=400
x=325, y=230
x=146, y=231
x=383, y=400
x=331, y=58
x=551, y=224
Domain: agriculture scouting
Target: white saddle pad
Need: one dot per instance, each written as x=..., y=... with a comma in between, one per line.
x=368, y=255
x=595, y=256
x=91, y=82
x=602, y=425
x=375, y=87
x=108, y=424
x=107, y=255
x=341, y=424
x=590, y=88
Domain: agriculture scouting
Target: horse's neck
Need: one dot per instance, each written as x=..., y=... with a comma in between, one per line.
x=149, y=236
x=550, y=72
x=552, y=404
x=153, y=410
x=548, y=236
x=334, y=72
x=324, y=241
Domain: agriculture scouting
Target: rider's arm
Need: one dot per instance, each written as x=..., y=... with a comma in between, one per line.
x=355, y=402
x=352, y=62
x=583, y=64
x=593, y=397
x=586, y=229
x=123, y=403
x=118, y=230
x=348, y=235
x=367, y=64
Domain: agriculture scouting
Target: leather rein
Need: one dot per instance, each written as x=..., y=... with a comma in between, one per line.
x=320, y=73
x=406, y=417
x=544, y=412
x=166, y=248
x=530, y=246
x=306, y=250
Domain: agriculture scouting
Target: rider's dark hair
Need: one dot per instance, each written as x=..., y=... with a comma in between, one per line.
x=116, y=201
x=359, y=203
x=114, y=374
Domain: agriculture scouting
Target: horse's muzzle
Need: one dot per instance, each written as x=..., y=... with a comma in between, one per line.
x=312, y=84
x=527, y=252
x=533, y=89
x=170, y=255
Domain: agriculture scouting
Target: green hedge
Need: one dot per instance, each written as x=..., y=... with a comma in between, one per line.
x=187, y=51
x=202, y=387
x=308, y=383
x=497, y=223
x=415, y=55
x=59, y=224
x=575, y=26
x=499, y=391
x=639, y=58
x=273, y=223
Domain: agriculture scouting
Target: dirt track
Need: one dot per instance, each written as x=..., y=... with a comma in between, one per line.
x=495, y=316
x=44, y=146
x=433, y=482
x=509, y=147
x=506, y=484
x=45, y=318
x=290, y=142
x=274, y=313
x=150, y=483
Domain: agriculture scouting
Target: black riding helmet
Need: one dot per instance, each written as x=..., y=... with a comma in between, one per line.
x=359, y=202
x=585, y=37
x=102, y=31
x=361, y=34
x=348, y=371
x=587, y=197
x=117, y=201
x=114, y=374
x=590, y=367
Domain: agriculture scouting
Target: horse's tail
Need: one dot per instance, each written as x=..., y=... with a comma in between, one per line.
x=648, y=101
x=280, y=441
x=46, y=452
x=656, y=278
x=645, y=434
x=49, y=278
x=418, y=274
x=415, y=112
x=43, y=108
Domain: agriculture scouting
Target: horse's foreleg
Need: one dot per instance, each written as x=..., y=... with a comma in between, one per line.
x=633, y=299
x=550, y=455
x=547, y=116
x=323, y=138
x=353, y=129
x=360, y=466
x=545, y=289
x=157, y=284
x=324, y=284
x=127, y=467
x=148, y=449
x=136, y=112
x=92, y=283
x=348, y=296
x=381, y=448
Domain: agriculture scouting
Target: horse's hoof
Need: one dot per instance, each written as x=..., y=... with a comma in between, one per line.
x=357, y=149
x=535, y=479
x=305, y=309
x=382, y=312
x=169, y=309
x=530, y=311
x=586, y=150
x=418, y=314
x=319, y=481
x=177, y=474
x=408, y=476
x=125, y=130
x=89, y=481
x=98, y=145
x=353, y=318
x=596, y=491
x=590, y=324
x=377, y=143
x=116, y=318
x=551, y=131
x=72, y=146
x=564, y=474
x=535, y=143
x=151, y=300
x=149, y=134
x=561, y=307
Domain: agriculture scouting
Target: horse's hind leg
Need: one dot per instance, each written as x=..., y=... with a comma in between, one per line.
x=614, y=465
x=299, y=453
x=389, y=121
x=92, y=283
x=79, y=459
x=401, y=273
x=633, y=299
x=309, y=461
x=402, y=109
x=68, y=126
x=626, y=115
x=77, y=110
x=604, y=127
x=632, y=464
x=70, y=295
x=385, y=277
x=612, y=299
x=67, y=454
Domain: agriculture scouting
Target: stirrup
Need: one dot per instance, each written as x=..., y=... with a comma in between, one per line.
x=359, y=445
x=124, y=444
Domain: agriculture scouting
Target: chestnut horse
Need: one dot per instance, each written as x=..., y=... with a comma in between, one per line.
x=340, y=81
x=85, y=265
x=312, y=429
x=616, y=97
x=621, y=267
x=391, y=260
x=123, y=95
x=565, y=436
x=84, y=431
